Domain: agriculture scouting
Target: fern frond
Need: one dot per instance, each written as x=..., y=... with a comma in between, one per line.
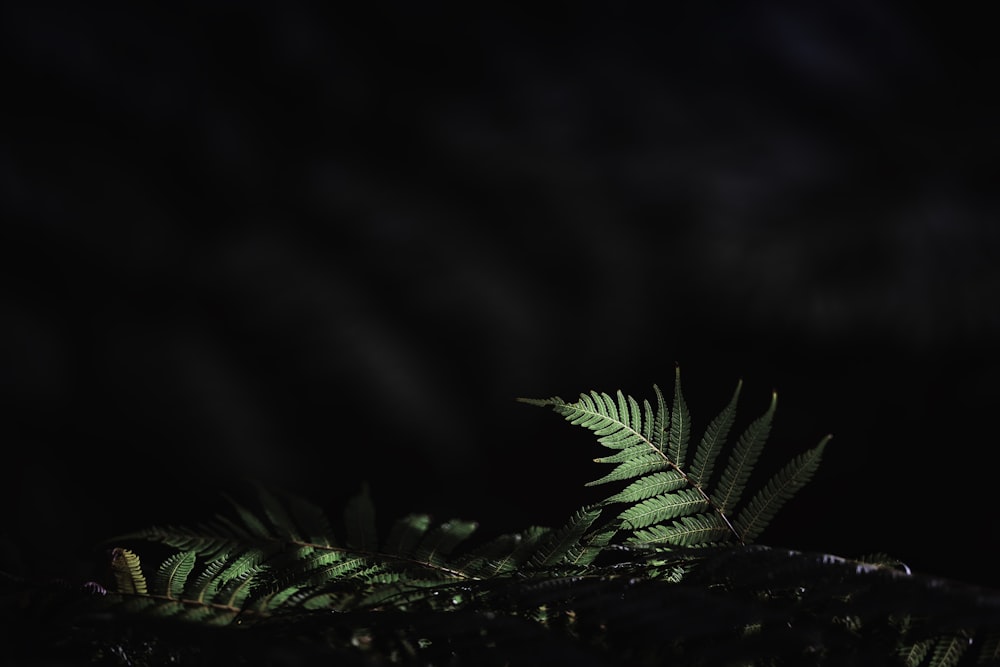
x=777, y=491
x=948, y=651
x=651, y=448
x=557, y=544
x=651, y=485
x=238, y=588
x=205, y=583
x=652, y=423
x=912, y=655
x=680, y=425
x=629, y=454
x=172, y=575
x=589, y=547
x=657, y=424
x=234, y=582
x=640, y=464
x=127, y=571
x=337, y=568
x=712, y=442
x=218, y=593
x=311, y=566
x=663, y=507
x=744, y=457
x=687, y=531
x=617, y=423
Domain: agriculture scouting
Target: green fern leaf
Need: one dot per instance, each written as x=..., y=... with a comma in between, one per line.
x=589, y=547
x=600, y=413
x=912, y=655
x=203, y=587
x=629, y=454
x=761, y=509
x=127, y=571
x=315, y=567
x=948, y=651
x=687, y=531
x=240, y=565
x=652, y=423
x=172, y=575
x=660, y=422
x=238, y=588
x=680, y=425
x=642, y=464
x=553, y=402
x=218, y=593
x=712, y=442
x=663, y=507
x=651, y=485
x=655, y=456
x=557, y=544
x=340, y=569
x=266, y=602
x=629, y=411
x=238, y=573
x=227, y=579
x=744, y=457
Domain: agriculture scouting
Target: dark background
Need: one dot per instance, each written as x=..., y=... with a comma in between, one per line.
x=313, y=245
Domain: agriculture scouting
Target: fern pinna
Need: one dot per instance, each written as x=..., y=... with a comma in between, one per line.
x=674, y=498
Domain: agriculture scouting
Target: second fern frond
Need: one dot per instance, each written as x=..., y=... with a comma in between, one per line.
x=672, y=499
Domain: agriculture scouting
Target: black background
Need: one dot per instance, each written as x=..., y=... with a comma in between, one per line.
x=317, y=245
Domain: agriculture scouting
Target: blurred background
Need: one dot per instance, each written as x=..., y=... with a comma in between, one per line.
x=319, y=244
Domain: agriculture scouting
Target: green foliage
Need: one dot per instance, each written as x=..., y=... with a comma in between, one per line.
x=663, y=569
x=670, y=502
